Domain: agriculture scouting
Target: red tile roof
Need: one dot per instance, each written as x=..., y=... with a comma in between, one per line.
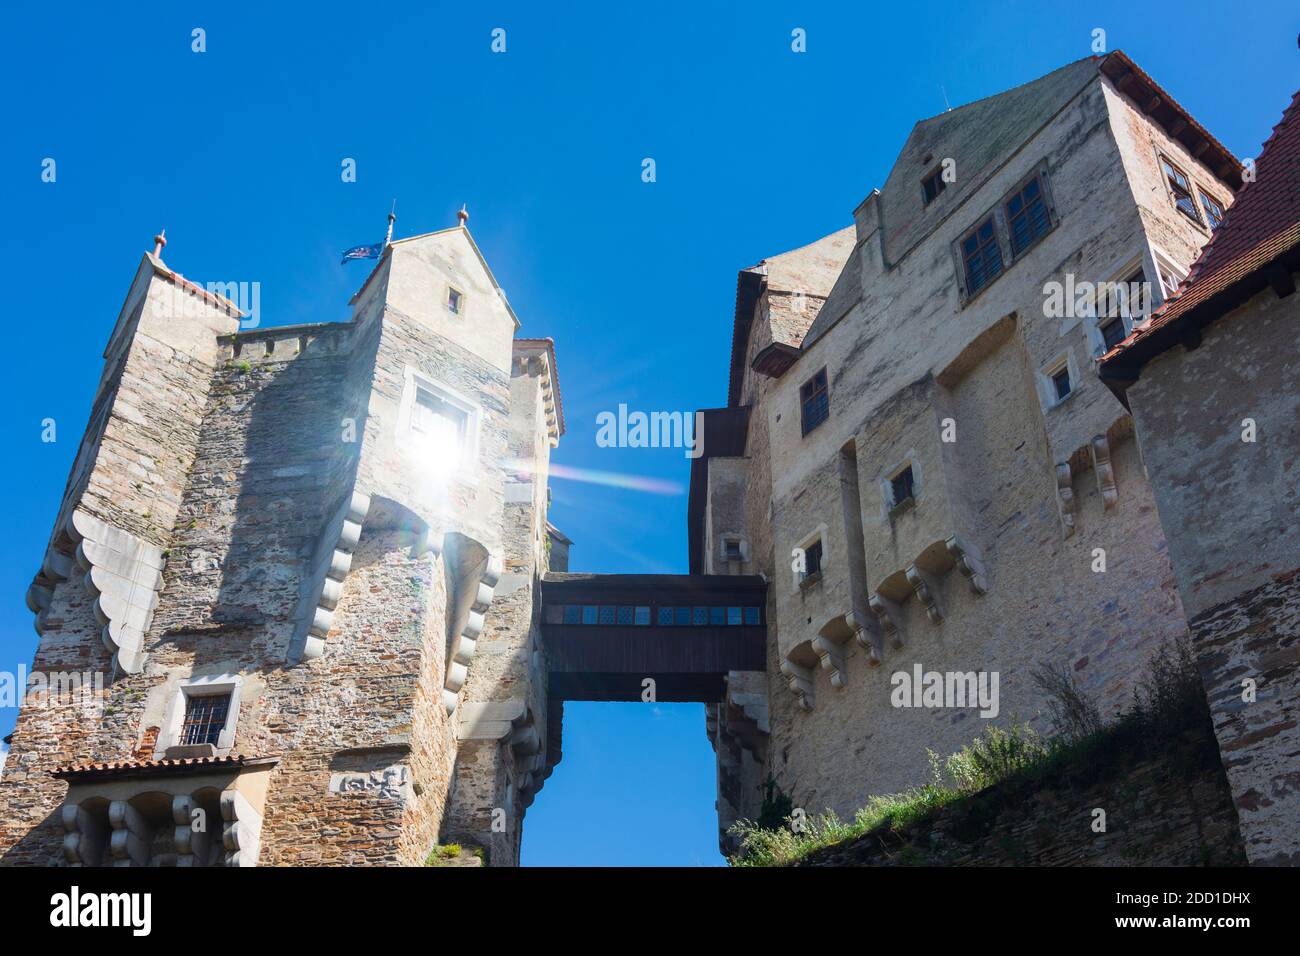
x=1262, y=224
x=124, y=768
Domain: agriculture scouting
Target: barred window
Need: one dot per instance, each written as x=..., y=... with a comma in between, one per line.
x=981, y=256
x=812, y=560
x=205, y=719
x=902, y=485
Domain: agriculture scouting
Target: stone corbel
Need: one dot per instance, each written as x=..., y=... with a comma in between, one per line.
x=1065, y=496
x=890, y=616
x=831, y=656
x=131, y=836
x=467, y=640
x=323, y=586
x=83, y=844
x=1105, y=471
x=801, y=682
x=868, y=633
x=923, y=587
x=241, y=829
x=968, y=563
x=193, y=847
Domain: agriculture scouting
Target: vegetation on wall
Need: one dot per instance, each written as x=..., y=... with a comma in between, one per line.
x=1167, y=708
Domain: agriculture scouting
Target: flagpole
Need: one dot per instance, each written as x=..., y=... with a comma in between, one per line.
x=392, y=217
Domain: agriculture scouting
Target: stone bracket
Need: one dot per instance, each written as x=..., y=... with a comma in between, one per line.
x=890, y=617
x=968, y=563
x=801, y=682
x=466, y=642
x=1065, y=497
x=1101, y=464
x=323, y=585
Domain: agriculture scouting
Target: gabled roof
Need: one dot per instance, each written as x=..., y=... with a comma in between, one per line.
x=429, y=235
x=1258, y=244
x=810, y=269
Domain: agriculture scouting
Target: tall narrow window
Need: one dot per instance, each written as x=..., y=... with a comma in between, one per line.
x=901, y=486
x=454, y=299
x=1027, y=218
x=1180, y=188
x=812, y=561
x=932, y=185
x=1112, y=333
x=1213, y=211
x=1061, y=383
x=814, y=401
x=205, y=719
x=981, y=256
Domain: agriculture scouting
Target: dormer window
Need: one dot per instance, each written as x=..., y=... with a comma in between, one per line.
x=454, y=299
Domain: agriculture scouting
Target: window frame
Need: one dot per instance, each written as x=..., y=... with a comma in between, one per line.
x=1168, y=168
x=990, y=220
x=1221, y=210
x=935, y=175
x=213, y=685
x=408, y=436
x=1047, y=389
x=805, y=397
x=460, y=300
x=1035, y=177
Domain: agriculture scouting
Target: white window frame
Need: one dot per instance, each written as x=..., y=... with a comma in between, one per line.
x=407, y=434
x=1047, y=388
x=1131, y=319
x=214, y=685
x=460, y=301
x=820, y=533
x=886, y=482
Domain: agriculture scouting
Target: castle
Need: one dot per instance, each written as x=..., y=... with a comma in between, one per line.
x=316, y=560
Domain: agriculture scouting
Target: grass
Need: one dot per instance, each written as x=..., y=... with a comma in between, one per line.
x=1168, y=703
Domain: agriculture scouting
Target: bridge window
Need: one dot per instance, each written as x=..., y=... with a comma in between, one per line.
x=624, y=615
x=752, y=616
x=589, y=614
x=572, y=614
x=683, y=616
x=717, y=615
x=701, y=616
x=607, y=614
x=643, y=615
x=733, y=615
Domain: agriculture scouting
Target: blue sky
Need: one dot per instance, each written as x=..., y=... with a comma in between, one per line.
x=237, y=153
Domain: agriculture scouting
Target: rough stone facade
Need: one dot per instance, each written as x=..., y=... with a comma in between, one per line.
x=992, y=565
x=318, y=525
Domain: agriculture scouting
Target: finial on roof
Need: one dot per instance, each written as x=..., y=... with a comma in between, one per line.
x=463, y=215
x=392, y=218
x=159, y=241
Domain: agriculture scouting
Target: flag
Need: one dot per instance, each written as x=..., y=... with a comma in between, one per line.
x=364, y=252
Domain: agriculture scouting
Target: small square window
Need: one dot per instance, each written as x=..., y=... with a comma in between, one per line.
x=1213, y=210
x=731, y=549
x=1027, y=219
x=1112, y=333
x=901, y=486
x=932, y=185
x=752, y=616
x=205, y=719
x=1061, y=383
x=665, y=616
x=812, y=560
x=589, y=612
x=1180, y=189
x=701, y=616
x=717, y=615
x=733, y=616
x=642, y=616
x=625, y=615
x=454, y=300
x=981, y=256
x=606, y=615
x=814, y=401
x=572, y=614
x=682, y=617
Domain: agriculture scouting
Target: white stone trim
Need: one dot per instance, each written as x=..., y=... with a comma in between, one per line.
x=414, y=380
x=213, y=685
x=466, y=641
x=323, y=583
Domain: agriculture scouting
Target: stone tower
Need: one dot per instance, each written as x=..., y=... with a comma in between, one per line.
x=286, y=614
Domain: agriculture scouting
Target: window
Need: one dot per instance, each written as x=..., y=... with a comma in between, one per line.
x=205, y=719
x=440, y=427
x=701, y=616
x=901, y=486
x=981, y=257
x=1180, y=190
x=1112, y=333
x=812, y=561
x=589, y=612
x=1027, y=219
x=1169, y=279
x=441, y=421
x=454, y=299
x=752, y=616
x=932, y=185
x=814, y=400
x=1213, y=210
x=718, y=615
x=1061, y=383
x=731, y=549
